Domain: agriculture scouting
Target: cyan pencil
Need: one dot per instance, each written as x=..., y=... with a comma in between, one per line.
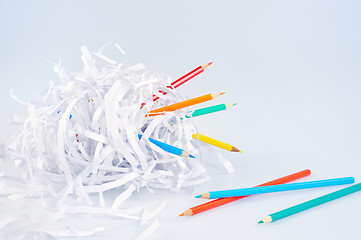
x=169, y=148
x=277, y=188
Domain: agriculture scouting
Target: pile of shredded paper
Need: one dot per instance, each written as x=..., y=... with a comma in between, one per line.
x=80, y=140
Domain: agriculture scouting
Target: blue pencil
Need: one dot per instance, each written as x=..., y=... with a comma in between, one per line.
x=169, y=148
x=277, y=188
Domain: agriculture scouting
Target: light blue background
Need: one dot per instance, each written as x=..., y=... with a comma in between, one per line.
x=293, y=67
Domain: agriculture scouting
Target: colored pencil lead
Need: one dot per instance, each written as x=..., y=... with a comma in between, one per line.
x=260, y=221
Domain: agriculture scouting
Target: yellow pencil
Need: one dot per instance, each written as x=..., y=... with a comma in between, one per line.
x=215, y=142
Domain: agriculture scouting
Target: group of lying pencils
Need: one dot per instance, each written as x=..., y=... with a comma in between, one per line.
x=195, y=113
x=278, y=185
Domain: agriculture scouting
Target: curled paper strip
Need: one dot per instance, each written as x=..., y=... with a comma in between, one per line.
x=81, y=139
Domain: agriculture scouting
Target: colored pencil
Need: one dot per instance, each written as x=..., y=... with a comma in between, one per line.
x=185, y=78
x=184, y=104
x=208, y=110
x=169, y=148
x=310, y=204
x=215, y=142
x=277, y=188
x=221, y=201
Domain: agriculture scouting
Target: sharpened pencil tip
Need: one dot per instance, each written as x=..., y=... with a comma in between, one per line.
x=187, y=154
x=222, y=93
x=189, y=212
x=205, y=66
x=260, y=221
x=234, y=104
x=234, y=149
x=198, y=196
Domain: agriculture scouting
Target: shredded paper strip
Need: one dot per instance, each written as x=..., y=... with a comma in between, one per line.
x=80, y=141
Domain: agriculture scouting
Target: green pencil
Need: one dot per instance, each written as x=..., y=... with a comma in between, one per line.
x=310, y=204
x=211, y=109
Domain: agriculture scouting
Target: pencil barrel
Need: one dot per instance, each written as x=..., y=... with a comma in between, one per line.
x=212, y=141
x=183, y=104
x=187, y=77
x=315, y=202
x=281, y=188
x=208, y=110
x=164, y=146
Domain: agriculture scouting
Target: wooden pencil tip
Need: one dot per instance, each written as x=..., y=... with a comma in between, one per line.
x=189, y=212
x=187, y=154
x=267, y=219
x=205, y=66
x=206, y=195
x=229, y=105
x=214, y=95
x=234, y=149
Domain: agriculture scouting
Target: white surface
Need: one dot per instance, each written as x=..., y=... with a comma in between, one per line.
x=293, y=67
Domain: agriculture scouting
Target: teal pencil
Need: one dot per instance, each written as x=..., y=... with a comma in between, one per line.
x=310, y=204
x=211, y=109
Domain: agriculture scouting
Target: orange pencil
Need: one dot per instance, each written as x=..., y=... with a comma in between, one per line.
x=184, y=104
x=221, y=201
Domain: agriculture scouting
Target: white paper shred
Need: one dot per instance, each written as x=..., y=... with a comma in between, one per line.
x=79, y=145
x=227, y=164
x=148, y=231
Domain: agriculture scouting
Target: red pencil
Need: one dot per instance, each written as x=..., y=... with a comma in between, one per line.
x=185, y=78
x=221, y=201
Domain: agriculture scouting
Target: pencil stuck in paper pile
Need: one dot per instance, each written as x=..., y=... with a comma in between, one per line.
x=81, y=136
